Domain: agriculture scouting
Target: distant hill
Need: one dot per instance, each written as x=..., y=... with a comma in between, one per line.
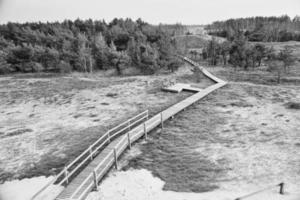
x=191, y=41
x=198, y=40
x=196, y=29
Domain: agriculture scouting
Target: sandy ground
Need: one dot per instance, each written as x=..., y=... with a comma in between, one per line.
x=26, y=188
x=141, y=184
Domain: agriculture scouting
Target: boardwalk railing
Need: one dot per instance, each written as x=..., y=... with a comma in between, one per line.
x=114, y=142
x=73, y=168
x=281, y=191
x=111, y=153
x=122, y=143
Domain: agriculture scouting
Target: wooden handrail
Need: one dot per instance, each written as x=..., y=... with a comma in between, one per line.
x=97, y=167
x=86, y=154
x=102, y=144
x=128, y=126
x=150, y=124
x=124, y=123
x=89, y=176
x=74, y=170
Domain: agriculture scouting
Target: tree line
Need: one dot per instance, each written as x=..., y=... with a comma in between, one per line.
x=242, y=54
x=87, y=45
x=259, y=29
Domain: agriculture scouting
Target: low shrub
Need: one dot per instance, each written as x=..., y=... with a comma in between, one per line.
x=293, y=105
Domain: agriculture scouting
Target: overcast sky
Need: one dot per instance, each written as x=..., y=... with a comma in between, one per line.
x=153, y=11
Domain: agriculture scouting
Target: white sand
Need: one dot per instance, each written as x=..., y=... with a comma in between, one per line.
x=141, y=185
x=24, y=189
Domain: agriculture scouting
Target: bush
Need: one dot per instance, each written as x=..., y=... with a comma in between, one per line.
x=64, y=67
x=37, y=67
x=174, y=65
x=31, y=67
x=5, y=69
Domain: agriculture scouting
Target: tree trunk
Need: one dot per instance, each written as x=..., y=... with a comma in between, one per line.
x=285, y=68
x=253, y=64
x=278, y=76
x=119, y=68
x=224, y=60
x=91, y=65
x=84, y=64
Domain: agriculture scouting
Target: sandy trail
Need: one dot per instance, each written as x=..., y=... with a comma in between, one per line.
x=140, y=184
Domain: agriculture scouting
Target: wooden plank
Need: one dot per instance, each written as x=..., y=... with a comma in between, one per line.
x=178, y=87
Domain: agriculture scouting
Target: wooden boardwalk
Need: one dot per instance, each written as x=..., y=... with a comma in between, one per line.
x=89, y=177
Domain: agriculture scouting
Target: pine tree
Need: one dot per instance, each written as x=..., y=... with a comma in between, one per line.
x=100, y=52
x=4, y=66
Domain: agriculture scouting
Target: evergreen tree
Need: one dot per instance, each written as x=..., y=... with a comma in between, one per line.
x=4, y=66
x=100, y=52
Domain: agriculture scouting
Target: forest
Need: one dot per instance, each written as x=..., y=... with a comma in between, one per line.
x=259, y=29
x=87, y=45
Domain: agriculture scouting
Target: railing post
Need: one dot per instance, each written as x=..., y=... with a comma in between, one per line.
x=91, y=152
x=147, y=115
x=116, y=158
x=281, y=188
x=95, y=180
x=161, y=120
x=66, y=174
x=129, y=141
x=145, y=131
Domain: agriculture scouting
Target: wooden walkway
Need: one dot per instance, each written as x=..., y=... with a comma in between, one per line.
x=179, y=87
x=93, y=173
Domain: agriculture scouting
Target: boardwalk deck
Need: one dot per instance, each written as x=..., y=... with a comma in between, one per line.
x=179, y=87
x=84, y=182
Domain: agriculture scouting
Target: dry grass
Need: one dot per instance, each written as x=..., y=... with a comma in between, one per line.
x=239, y=136
x=46, y=120
x=171, y=154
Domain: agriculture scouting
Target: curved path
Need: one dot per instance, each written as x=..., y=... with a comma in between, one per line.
x=94, y=172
